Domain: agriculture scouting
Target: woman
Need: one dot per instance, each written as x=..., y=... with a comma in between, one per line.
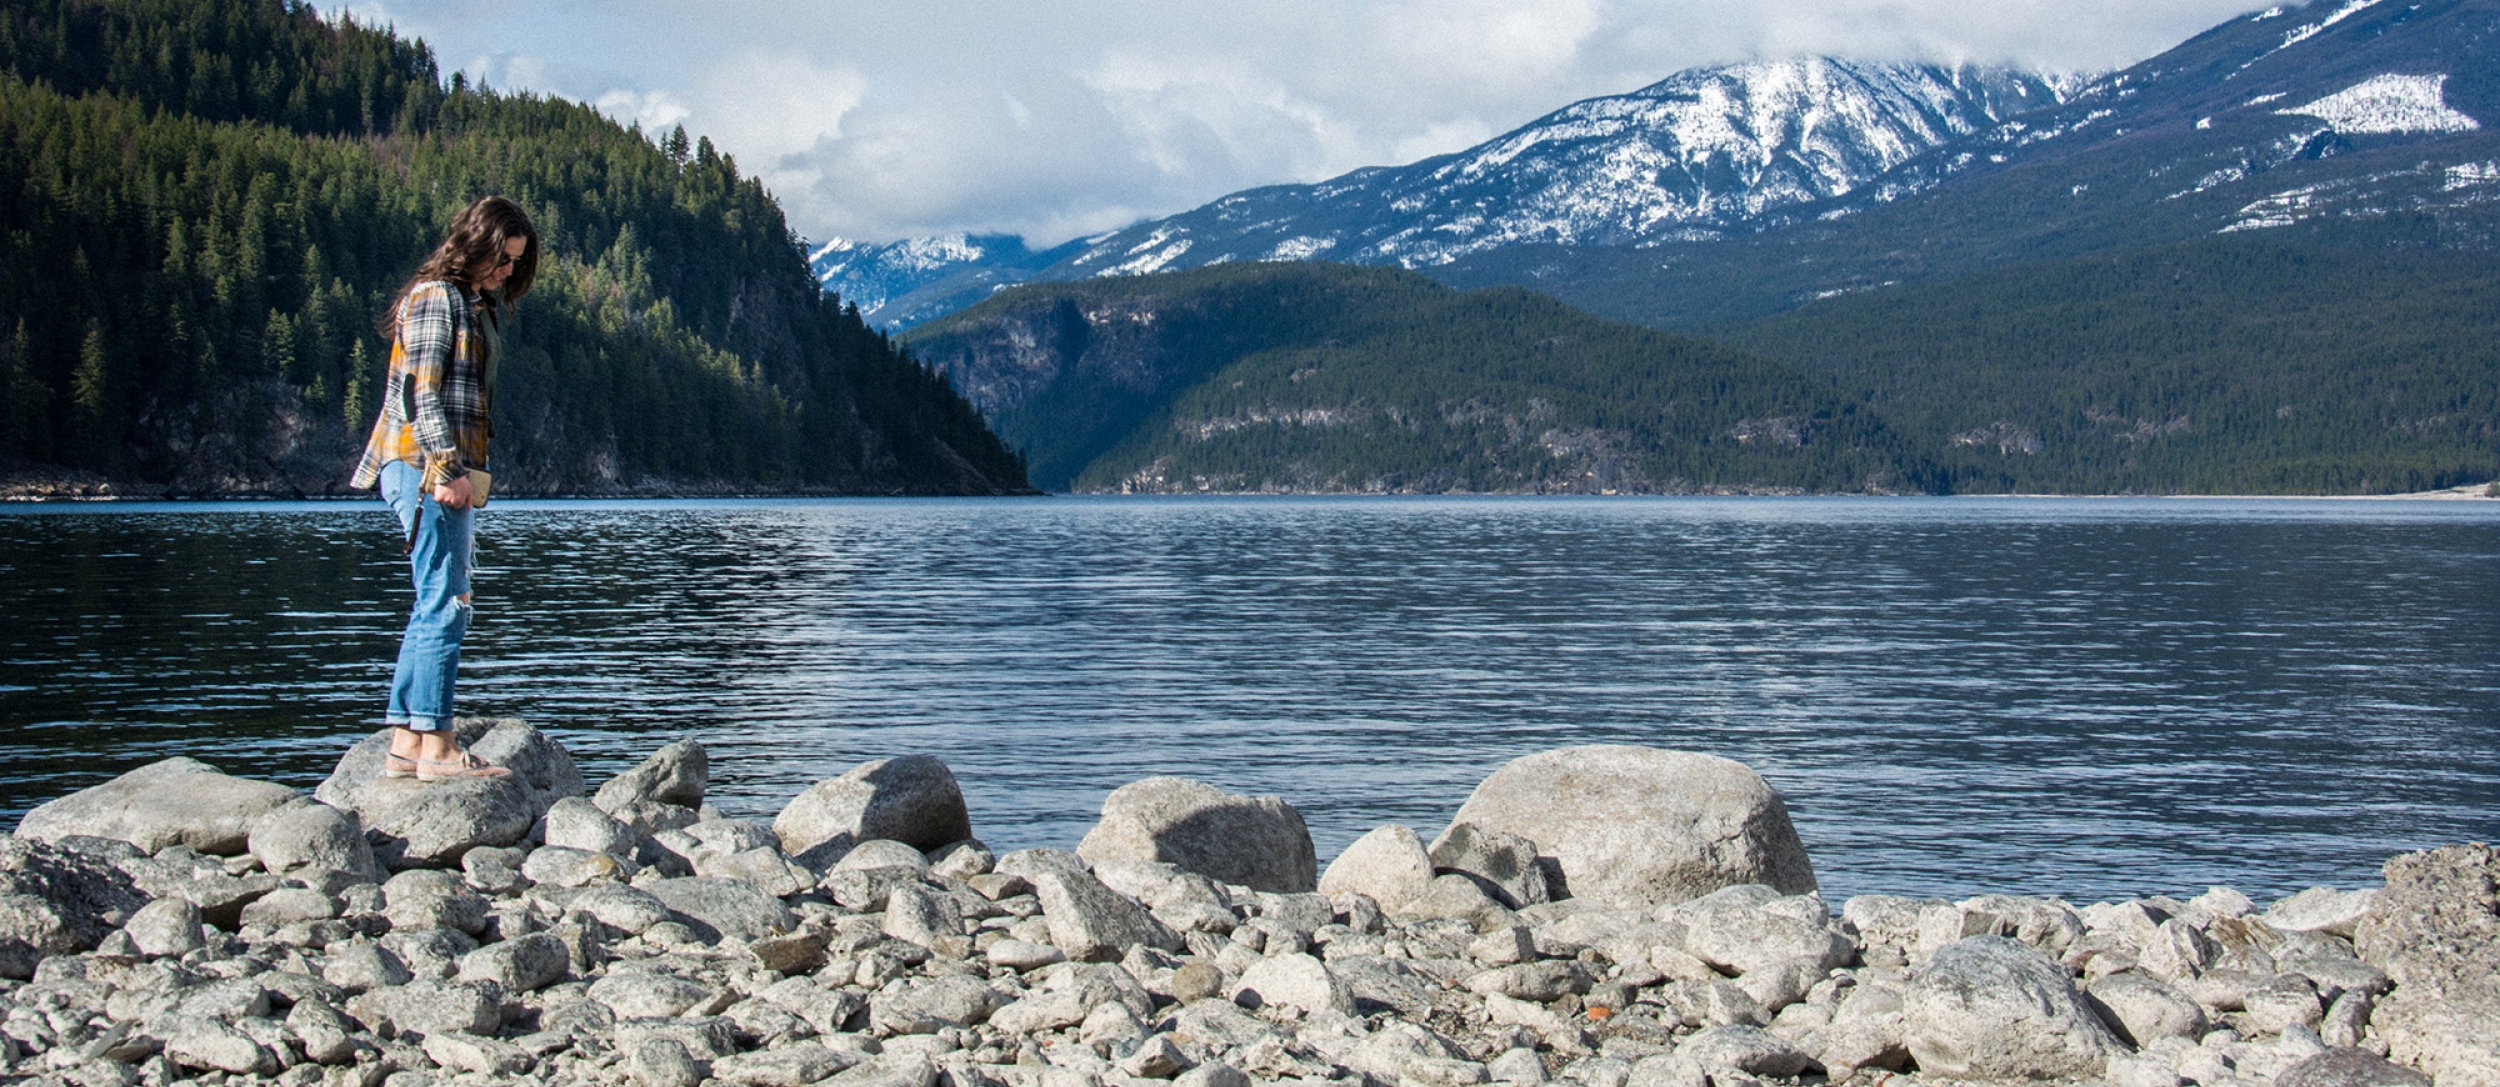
x=432, y=434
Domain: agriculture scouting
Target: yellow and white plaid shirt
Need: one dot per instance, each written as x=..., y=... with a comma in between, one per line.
x=440, y=390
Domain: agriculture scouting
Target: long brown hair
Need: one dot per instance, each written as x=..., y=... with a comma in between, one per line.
x=477, y=239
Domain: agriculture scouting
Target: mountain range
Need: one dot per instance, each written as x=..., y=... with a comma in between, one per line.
x=1752, y=188
x=2259, y=262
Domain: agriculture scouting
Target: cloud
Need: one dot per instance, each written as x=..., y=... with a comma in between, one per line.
x=1051, y=120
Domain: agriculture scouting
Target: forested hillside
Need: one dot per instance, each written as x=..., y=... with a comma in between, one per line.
x=1332, y=378
x=209, y=202
x=2243, y=364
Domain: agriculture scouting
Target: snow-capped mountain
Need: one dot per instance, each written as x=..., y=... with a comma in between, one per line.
x=1705, y=152
x=893, y=282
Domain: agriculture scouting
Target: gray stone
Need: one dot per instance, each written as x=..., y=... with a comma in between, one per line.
x=474, y=1055
x=1451, y=897
x=926, y=1006
x=1395, y=1050
x=2349, y=1068
x=649, y=995
x=2144, y=1008
x=1390, y=865
x=1092, y=922
x=2435, y=929
x=926, y=916
x=882, y=853
x=1746, y=1049
x=1027, y=863
x=1507, y=863
x=427, y=1008
x=1021, y=955
x=574, y=823
x=316, y=843
x=889, y=1070
x=426, y=898
x=326, y=1035
x=1636, y=826
x=2287, y=1001
x=176, y=801
x=912, y=799
x=1749, y=927
x=167, y=927
x=192, y=1042
x=288, y=905
x=676, y=775
x=432, y=824
x=724, y=908
x=1866, y=1031
x=1516, y=1065
x=1293, y=981
x=203, y=881
x=521, y=964
x=763, y=867
x=796, y=953
x=1990, y=1008
x=1542, y=982
x=2320, y=909
x=1256, y=842
x=58, y=898
x=1374, y=979
x=866, y=889
x=961, y=860
x=631, y=910
x=1213, y=1075
x=564, y=866
x=790, y=1066
x=363, y=966
x=662, y=1062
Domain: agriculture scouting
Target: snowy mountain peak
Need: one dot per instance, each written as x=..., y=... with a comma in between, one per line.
x=1700, y=154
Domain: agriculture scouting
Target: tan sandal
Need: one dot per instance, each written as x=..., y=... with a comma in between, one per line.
x=462, y=765
x=395, y=765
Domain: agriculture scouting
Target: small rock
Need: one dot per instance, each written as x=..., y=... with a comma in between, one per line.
x=628, y=909
x=480, y=1056
x=167, y=927
x=362, y=966
x=208, y=1044
x=1294, y=981
x=663, y=1062
x=1155, y=1058
x=790, y=1066
x=2145, y=1008
x=1390, y=865
x=288, y=905
x=649, y=995
x=1091, y=922
x=312, y=841
x=676, y=774
x=520, y=965
x=575, y=823
x=2320, y=909
x=882, y=853
x=724, y=908
x=2349, y=1068
x=1021, y=955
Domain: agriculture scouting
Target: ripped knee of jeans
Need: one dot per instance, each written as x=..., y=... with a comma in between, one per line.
x=462, y=601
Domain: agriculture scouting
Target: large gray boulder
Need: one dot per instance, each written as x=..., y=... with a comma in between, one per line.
x=54, y=900
x=1990, y=1008
x=912, y=799
x=176, y=801
x=414, y=823
x=2435, y=930
x=1637, y=826
x=1257, y=842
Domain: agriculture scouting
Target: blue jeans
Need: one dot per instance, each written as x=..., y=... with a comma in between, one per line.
x=429, y=653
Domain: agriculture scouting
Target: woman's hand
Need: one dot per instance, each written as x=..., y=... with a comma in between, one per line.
x=455, y=493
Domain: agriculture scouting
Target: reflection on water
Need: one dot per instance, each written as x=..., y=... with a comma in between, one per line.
x=2081, y=698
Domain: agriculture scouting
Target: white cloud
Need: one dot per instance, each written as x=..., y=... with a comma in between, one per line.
x=882, y=120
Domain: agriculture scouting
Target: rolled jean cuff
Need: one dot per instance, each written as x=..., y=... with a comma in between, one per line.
x=419, y=724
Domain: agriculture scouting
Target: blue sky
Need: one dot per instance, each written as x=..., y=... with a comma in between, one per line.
x=878, y=121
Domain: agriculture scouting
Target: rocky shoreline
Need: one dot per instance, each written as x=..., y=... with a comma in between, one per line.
x=1601, y=916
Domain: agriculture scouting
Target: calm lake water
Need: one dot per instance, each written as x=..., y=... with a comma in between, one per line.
x=2091, y=698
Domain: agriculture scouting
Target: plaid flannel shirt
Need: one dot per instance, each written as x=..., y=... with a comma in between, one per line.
x=441, y=386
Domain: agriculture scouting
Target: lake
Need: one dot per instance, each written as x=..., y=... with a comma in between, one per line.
x=2093, y=698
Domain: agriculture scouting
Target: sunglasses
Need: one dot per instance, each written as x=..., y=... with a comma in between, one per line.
x=502, y=261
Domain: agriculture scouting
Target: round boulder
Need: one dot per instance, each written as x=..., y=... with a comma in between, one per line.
x=912, y=799
x=1990, y=1008
x=1257, y=842
x=1635, y=827
x=1389, y=864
